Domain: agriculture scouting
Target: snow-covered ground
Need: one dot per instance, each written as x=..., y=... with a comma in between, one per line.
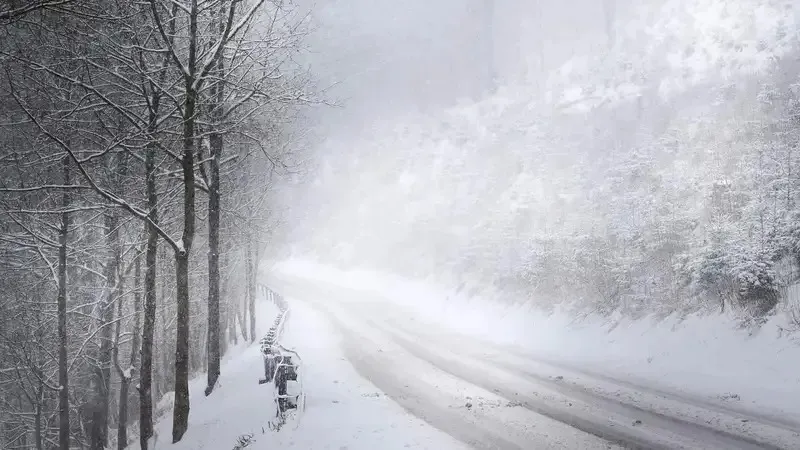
x=343, y=411
x=706, y=357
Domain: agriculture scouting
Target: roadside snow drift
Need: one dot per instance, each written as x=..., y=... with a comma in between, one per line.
x=342, y=409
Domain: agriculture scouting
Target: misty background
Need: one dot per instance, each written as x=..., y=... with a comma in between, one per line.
x=627, y=157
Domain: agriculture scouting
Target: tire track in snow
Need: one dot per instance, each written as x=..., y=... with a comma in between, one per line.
x=625, y=424
x=438, y=398
x=742, y=414
x=735, y=427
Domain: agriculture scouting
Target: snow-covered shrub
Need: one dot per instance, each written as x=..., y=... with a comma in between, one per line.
x=244, y=441
x=758, y=293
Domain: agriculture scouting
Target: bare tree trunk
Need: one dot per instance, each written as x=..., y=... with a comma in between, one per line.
x=225, y=308
x=63, y=382
x=149, y=319
x=213, y=266
x=232, y=305
x=241, y=311
x=180, y=419
x=127, y=375
x=214, y=204
x=151, y=258
x=232, y=318
x=251, y=286
x=181, y=410
x=37, y=420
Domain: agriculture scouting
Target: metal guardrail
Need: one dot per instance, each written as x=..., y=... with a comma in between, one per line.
x=275, y=332
x=281, y=365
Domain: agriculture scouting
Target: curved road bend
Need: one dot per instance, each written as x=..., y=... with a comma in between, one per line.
x=493, y=397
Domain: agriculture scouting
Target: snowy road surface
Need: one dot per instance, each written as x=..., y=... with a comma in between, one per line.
x=490, y=397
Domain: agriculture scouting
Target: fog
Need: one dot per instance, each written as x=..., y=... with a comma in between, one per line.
x=606, y=155
x=383, y=58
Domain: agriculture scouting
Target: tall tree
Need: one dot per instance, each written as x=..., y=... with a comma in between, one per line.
x=63, y=374
x=125, y=374
x=196, y=70
x=215, y=139
x=99, y=425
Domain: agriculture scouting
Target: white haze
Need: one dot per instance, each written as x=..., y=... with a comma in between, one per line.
x=592, y=174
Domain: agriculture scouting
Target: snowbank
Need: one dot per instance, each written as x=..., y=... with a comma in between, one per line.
x=342, y=409
x=699, y=355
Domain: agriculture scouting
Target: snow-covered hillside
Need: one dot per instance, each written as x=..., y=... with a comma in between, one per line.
x=652, y=176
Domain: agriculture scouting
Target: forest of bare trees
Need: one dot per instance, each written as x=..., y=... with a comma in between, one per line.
x=138, y=145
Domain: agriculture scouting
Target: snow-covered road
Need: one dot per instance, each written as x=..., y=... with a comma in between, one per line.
x=498, y=397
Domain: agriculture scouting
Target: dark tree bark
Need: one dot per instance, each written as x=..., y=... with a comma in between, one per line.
x=180, y=419
x=37, y=420
x=214, y=204
x=63, y=381
x=99, y=426
x=195, y=73
x=151, y=253
x=125, y=376
x=149, y=316
x=224, y=312
x=213, y=344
